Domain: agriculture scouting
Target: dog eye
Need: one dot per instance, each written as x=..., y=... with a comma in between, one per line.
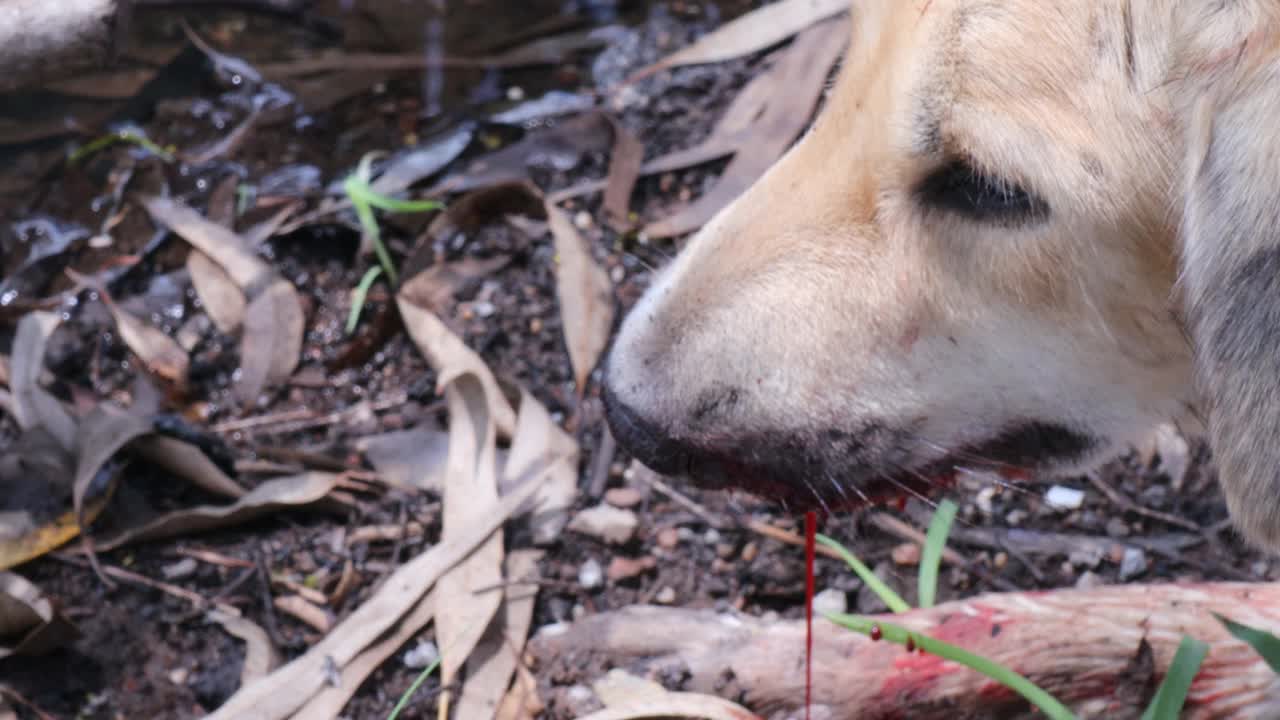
x=960, y=188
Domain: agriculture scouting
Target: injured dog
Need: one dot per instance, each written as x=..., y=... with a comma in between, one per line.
x=1019, y=234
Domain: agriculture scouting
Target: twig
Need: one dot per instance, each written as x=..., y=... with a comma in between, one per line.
x=1118, y=498
x=134, y=578
x=900, y=529
x=681, y=499
x=213, y=558
x=601, y=462
x=269, y=621
x=305, y=419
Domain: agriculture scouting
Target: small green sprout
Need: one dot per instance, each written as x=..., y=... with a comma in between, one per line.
x=132, y=137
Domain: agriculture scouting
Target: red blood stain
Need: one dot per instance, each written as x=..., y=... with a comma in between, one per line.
x=876, y=633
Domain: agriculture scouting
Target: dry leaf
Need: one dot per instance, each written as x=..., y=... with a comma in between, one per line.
x=29, y=624
x=329, y=702
x=675, y=705
x=159, y=353
x=624, y=170
x=221, y=244
x=189, y=463
x=493, y=664
x=33, y=405
x=269, y=497
x=222, y=299
x=537, y=440
x=410, y=459
x=271, y=344
x=585, y=293
x=470, y=487
x=561, y=146
x=103, y=433
x=281, y=693
x=522, y=701
x=796, y=87
x=755, y=31
x=446, y=352
x=35, y=478
x=260, y=655
x=301, y=609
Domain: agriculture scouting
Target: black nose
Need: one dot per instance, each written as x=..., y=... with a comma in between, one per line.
x=646, y=440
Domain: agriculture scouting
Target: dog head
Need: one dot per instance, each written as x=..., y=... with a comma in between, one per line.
x=1019, y=234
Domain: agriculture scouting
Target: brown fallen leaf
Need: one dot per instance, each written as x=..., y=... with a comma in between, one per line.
x=29, y=623
x=522, y=701
x=625, y=160
x=538, y=440
x=102, y=434
x=271, y=344
x=493, y=664
x=757, y=30
x=585, y=293
x=35, y=482
x=33, y=405
x=270, y=497
x=222, y=299
x=160, y=354
x=280, y=694
x=796, y=87
x=329, y=702
x=260, y=654
x=188, y=462
x=299, y=608
x=222, y=245
x=410, y=459
x=675, y=705
x=463, y=611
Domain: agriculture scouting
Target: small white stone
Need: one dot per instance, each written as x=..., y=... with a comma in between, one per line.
x=1133, y=564
x=1064, y=498
x=830, y=600
x=422, y=655
x=590, y=574
x=665, y=596
x=611, y=524
x=515, y=93
x=583, y=220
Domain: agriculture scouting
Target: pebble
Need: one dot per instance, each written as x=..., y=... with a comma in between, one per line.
x=1117, y=528
x=610, y=524
x=621, y=568
x=668, y=538
x=984, y=499
x=1089, y=557
x=1015, y=517
x=1000, y=560
x=750, y=551
x=1133, y=564
x=1089, y=579
x=906, y=554
x=581, y=701
x=711, y=536
x=583, y=220
x=623, y=497
x=177, y=676
x=1064, y=498
x=725, y=550
x=590, y=574
x=184, y=568
x=830, y=600
x=665, y=596
x=422, y=655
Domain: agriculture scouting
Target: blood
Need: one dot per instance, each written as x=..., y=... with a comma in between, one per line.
x=810, y=545
x=876, y=633
x=911, y=643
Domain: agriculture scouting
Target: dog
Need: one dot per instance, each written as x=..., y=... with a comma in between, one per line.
x=1018, y=235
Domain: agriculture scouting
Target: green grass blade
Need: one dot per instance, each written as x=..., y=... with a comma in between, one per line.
x=891, y=599
x=408, y=694
x=1046, y=703
x=931, y=557
x=122, y=136
x=359, y=297
x=1172, y=693
x=369, y=224
x=1263, y=642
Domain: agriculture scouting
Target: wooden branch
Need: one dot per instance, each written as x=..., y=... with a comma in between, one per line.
x=1083, y=646
x=42, y=40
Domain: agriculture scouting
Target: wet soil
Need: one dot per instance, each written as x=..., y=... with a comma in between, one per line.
x=145, y=654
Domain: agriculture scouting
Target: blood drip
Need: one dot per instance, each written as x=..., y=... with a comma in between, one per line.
x=810, y=535
x=876, y=633
x=911, y=643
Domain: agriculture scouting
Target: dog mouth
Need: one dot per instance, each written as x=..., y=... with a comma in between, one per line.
x=842, y=469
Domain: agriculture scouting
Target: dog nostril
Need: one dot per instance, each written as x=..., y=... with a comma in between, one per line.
x=645, y=439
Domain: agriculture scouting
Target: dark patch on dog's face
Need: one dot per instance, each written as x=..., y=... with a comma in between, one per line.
x=1032, y=442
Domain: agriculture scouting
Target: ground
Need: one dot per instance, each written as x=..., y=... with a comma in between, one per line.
x=145, y=653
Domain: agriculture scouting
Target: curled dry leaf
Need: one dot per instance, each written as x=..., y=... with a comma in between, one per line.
x=271, y=344
x=585, y=293
x=29, y=623
x=222, y=299
x=624, y=170
x=103, y=433
x=189, y=462
x=159, y=353
x=493, y=664
x=471, y=486
x=35, y=480
x=260, y=655
x=269, y=497
x=280, y=694
x=755, y=31
x=447, y=353
x=793, y=93
x=33, y=406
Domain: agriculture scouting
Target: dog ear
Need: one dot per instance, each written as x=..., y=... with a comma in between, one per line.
x=1231, y=283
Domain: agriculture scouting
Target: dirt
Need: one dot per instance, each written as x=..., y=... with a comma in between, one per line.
x=144, y=653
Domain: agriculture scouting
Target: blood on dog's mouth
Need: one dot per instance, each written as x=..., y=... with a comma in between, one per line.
x=837, y=469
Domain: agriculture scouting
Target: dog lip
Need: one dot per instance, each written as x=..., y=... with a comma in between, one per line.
x=645, y=439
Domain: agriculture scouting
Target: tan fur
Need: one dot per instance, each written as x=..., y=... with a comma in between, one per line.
x=828, y=296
